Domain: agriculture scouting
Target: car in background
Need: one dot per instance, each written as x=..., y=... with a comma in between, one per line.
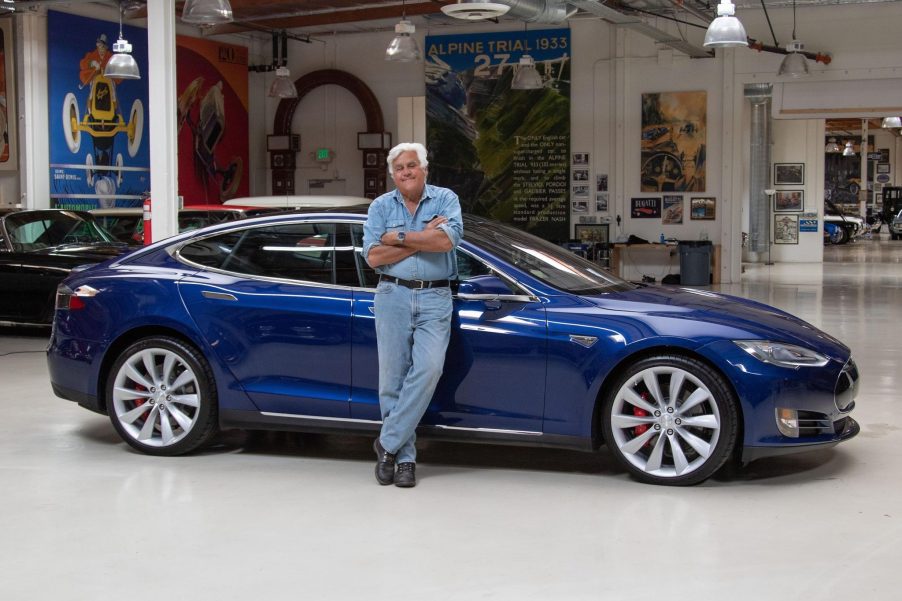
x=268, y=323
x=127, y=224
x=895, y=228
x=307, y=201
x=850, y=226
x=38, y=248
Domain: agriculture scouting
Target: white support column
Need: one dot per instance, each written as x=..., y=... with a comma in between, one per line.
x=34, y=147
x=863, y=192
x=732, y=173
x=163, y=119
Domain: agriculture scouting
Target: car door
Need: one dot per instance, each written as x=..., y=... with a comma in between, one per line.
x=494, y=374
x=269, y=308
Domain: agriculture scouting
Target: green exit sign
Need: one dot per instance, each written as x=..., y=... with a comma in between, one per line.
x=323, y=154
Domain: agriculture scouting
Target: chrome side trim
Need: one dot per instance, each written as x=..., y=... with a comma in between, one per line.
x=322, y=418
x=488, y=430
x=371, y=421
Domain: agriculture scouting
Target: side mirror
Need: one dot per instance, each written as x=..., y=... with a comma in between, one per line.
x=490, y=288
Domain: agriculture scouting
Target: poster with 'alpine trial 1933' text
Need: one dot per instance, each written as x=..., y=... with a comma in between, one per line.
x=505, y=152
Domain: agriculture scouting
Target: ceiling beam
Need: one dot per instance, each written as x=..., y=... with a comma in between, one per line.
x=319, y=19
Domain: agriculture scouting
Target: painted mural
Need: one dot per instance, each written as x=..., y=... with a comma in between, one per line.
x=505, y=152
x=99, y=155
x=212, y=120
x=674, y=133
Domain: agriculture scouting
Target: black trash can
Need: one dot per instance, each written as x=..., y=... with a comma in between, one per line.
x=695, y=262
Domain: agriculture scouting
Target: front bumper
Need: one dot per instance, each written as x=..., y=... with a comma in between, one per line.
x=848, y=428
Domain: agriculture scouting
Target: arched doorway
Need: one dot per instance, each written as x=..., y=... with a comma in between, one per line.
x=283, y=161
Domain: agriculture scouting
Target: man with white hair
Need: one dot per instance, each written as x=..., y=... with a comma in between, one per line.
x=410, y=238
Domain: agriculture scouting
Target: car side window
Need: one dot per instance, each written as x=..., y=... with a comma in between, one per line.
x=310, y=252
x=368, y=275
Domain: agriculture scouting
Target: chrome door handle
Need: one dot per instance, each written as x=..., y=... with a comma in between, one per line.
x=218, y=295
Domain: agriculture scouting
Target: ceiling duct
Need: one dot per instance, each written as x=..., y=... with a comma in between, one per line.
x=539, y=11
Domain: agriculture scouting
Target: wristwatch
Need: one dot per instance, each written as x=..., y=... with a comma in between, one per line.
x=401, y=237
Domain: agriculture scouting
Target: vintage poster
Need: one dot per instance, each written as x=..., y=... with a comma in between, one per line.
x=212, y=120
x=9, y=159
x=99, y=155
x=505, y=152
x=645, y=208
x=674, y=132
x=673, y=210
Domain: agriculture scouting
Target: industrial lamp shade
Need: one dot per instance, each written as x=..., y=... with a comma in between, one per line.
x=832, y=146
x=726, y=31
x=794, y=64
x=849, y=150
x=122, y=64
x=889, y=122
x=403, y=48
x=526, y=77
x=207, y=12
x=282, y=86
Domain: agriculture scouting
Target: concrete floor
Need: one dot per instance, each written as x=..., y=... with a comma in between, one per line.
x=285, y=516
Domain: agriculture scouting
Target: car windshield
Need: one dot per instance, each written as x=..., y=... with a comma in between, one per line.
x=46, y=229
x=547, y=262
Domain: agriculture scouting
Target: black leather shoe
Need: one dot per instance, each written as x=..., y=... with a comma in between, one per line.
x=406, y=476
x=385, y=464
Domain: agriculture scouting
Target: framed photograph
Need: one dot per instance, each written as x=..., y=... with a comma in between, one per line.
x=580, y=175
x=789, y=201
x=580, y=191
x=645, y=208
x=370, y=158
x=702, y=208
x=673, y=210
x=590, y=234
x=9, y=160
x=580, y=206
x=789, y=174
x=786, y=229
x=580, y=158
x=601, y=182
x=882, y=167
x=601, y=202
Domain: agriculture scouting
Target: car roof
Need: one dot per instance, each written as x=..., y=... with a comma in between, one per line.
x=306, y=200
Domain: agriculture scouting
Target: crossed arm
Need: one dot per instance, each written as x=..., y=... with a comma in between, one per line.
x=431, y=239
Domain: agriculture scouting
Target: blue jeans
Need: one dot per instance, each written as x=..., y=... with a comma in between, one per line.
x=412, y=332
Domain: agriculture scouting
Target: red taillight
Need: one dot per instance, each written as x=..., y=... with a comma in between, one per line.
x=73, y=300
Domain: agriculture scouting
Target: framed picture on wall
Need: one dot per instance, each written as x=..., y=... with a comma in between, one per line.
x=591, y=233
x=702, y=208
x=882, y=167
x=790, y=174
x=786, y=229
x=786, y=201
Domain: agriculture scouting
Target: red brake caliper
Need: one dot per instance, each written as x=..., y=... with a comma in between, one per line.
x=639, y=412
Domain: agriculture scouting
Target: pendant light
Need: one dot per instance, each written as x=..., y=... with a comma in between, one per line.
x=207, y=12
x=832, y=146
x=527, y=76
x=889, y=122
x=122, y=64
x=849, y=150
x=794, y=64
x=726, y=31
x=282, y=86
x=403, y=48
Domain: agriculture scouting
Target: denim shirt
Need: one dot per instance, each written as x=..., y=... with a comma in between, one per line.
x=388, y=214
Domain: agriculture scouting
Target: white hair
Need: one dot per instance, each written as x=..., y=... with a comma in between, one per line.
x=408, y=147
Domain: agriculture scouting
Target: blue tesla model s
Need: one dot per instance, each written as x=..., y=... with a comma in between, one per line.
x=268, y=324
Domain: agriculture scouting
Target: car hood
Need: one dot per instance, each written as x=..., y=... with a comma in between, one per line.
x=667, y=310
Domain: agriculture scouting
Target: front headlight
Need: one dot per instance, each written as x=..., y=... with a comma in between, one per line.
x=782, y=354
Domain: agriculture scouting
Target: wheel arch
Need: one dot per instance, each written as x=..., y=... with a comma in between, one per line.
x=669, y=350
x=125, y=340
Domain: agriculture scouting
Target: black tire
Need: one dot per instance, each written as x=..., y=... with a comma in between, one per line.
x=179, y=396
x=842, y=237
x=676, y=443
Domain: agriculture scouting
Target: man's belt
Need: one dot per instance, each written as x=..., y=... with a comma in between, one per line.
x=415, y=284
